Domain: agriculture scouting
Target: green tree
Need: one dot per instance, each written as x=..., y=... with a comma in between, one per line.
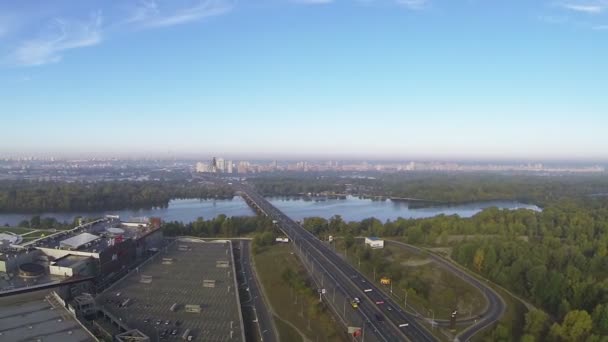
x=575, y=327
x=478, y=260
x=537, y=323
x=600, y=319
x=528, y=338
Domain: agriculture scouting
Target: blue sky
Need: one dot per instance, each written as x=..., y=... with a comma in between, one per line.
x=437, y=79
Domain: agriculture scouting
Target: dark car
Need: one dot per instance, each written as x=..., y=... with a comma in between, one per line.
x=379, y=317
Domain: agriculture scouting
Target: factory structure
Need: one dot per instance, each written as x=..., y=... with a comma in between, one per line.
x=102, y=249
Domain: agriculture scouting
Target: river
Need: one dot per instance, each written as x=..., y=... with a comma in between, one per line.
x=351, y=209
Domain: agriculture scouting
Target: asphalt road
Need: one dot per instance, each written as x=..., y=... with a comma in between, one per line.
x=256, y=301
x=496, y=306
x=381, y=323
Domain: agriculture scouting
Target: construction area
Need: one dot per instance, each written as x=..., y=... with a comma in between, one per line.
x=187, y=291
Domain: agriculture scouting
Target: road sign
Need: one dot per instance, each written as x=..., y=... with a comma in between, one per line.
x=353, y=330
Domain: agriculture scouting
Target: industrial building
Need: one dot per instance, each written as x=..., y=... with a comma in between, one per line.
x=188, y=289
x=374, y=242
x=102, y=248
x=40, y=316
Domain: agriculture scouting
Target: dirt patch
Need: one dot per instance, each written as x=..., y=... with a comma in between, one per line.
x=416, y=262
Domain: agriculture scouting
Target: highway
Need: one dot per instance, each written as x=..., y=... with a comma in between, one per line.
x=495, y=308
x=380, y=322
x=256, y=301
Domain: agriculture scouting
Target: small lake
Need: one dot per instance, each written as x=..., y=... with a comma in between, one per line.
x=351, y=209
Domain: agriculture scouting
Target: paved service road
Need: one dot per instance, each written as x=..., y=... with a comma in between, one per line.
x=256, y=301
x=496, y=306
x=338, y=275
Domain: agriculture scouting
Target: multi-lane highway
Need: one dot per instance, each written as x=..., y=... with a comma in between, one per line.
x=263, y=316
x=379, y=316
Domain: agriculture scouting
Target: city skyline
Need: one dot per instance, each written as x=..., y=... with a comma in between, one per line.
x=306, y=79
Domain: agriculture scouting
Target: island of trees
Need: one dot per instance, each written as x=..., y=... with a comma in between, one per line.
x=36, y=197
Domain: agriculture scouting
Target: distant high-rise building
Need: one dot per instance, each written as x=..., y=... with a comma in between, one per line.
x=228, y=166
x=203, y=167
x=243, y=167
x=220, y=165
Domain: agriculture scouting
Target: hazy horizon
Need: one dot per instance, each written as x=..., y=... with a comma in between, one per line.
x=384, y=79
x=261, y=158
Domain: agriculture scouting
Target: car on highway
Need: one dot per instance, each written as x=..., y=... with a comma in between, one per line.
x=367, y=290
x=379, y=317
x=403, y=325
x=379, y=302
x=354, y=304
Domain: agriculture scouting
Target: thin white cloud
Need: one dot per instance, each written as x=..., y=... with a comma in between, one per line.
x=588, y=7
x=151, y=13
x=592, y=9
x=413, y=4
x=62, y=35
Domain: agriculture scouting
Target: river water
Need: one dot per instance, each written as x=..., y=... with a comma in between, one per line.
x=351, y=209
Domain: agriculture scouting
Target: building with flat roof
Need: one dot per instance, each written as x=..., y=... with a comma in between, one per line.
x=71, y=265
x=78, y=241
x=103, y=248
x=197, y=288
x=39, y=316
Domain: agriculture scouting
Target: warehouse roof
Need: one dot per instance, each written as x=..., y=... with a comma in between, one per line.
x=79, y=240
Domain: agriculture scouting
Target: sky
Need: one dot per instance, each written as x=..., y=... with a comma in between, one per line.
x=470, y=79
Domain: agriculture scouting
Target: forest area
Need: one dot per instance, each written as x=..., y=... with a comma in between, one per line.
x=557, y=259
x=36, y=197
x=223, y=226
x=441, y=187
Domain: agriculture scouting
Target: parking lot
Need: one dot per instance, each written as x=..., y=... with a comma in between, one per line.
x=177, y=275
